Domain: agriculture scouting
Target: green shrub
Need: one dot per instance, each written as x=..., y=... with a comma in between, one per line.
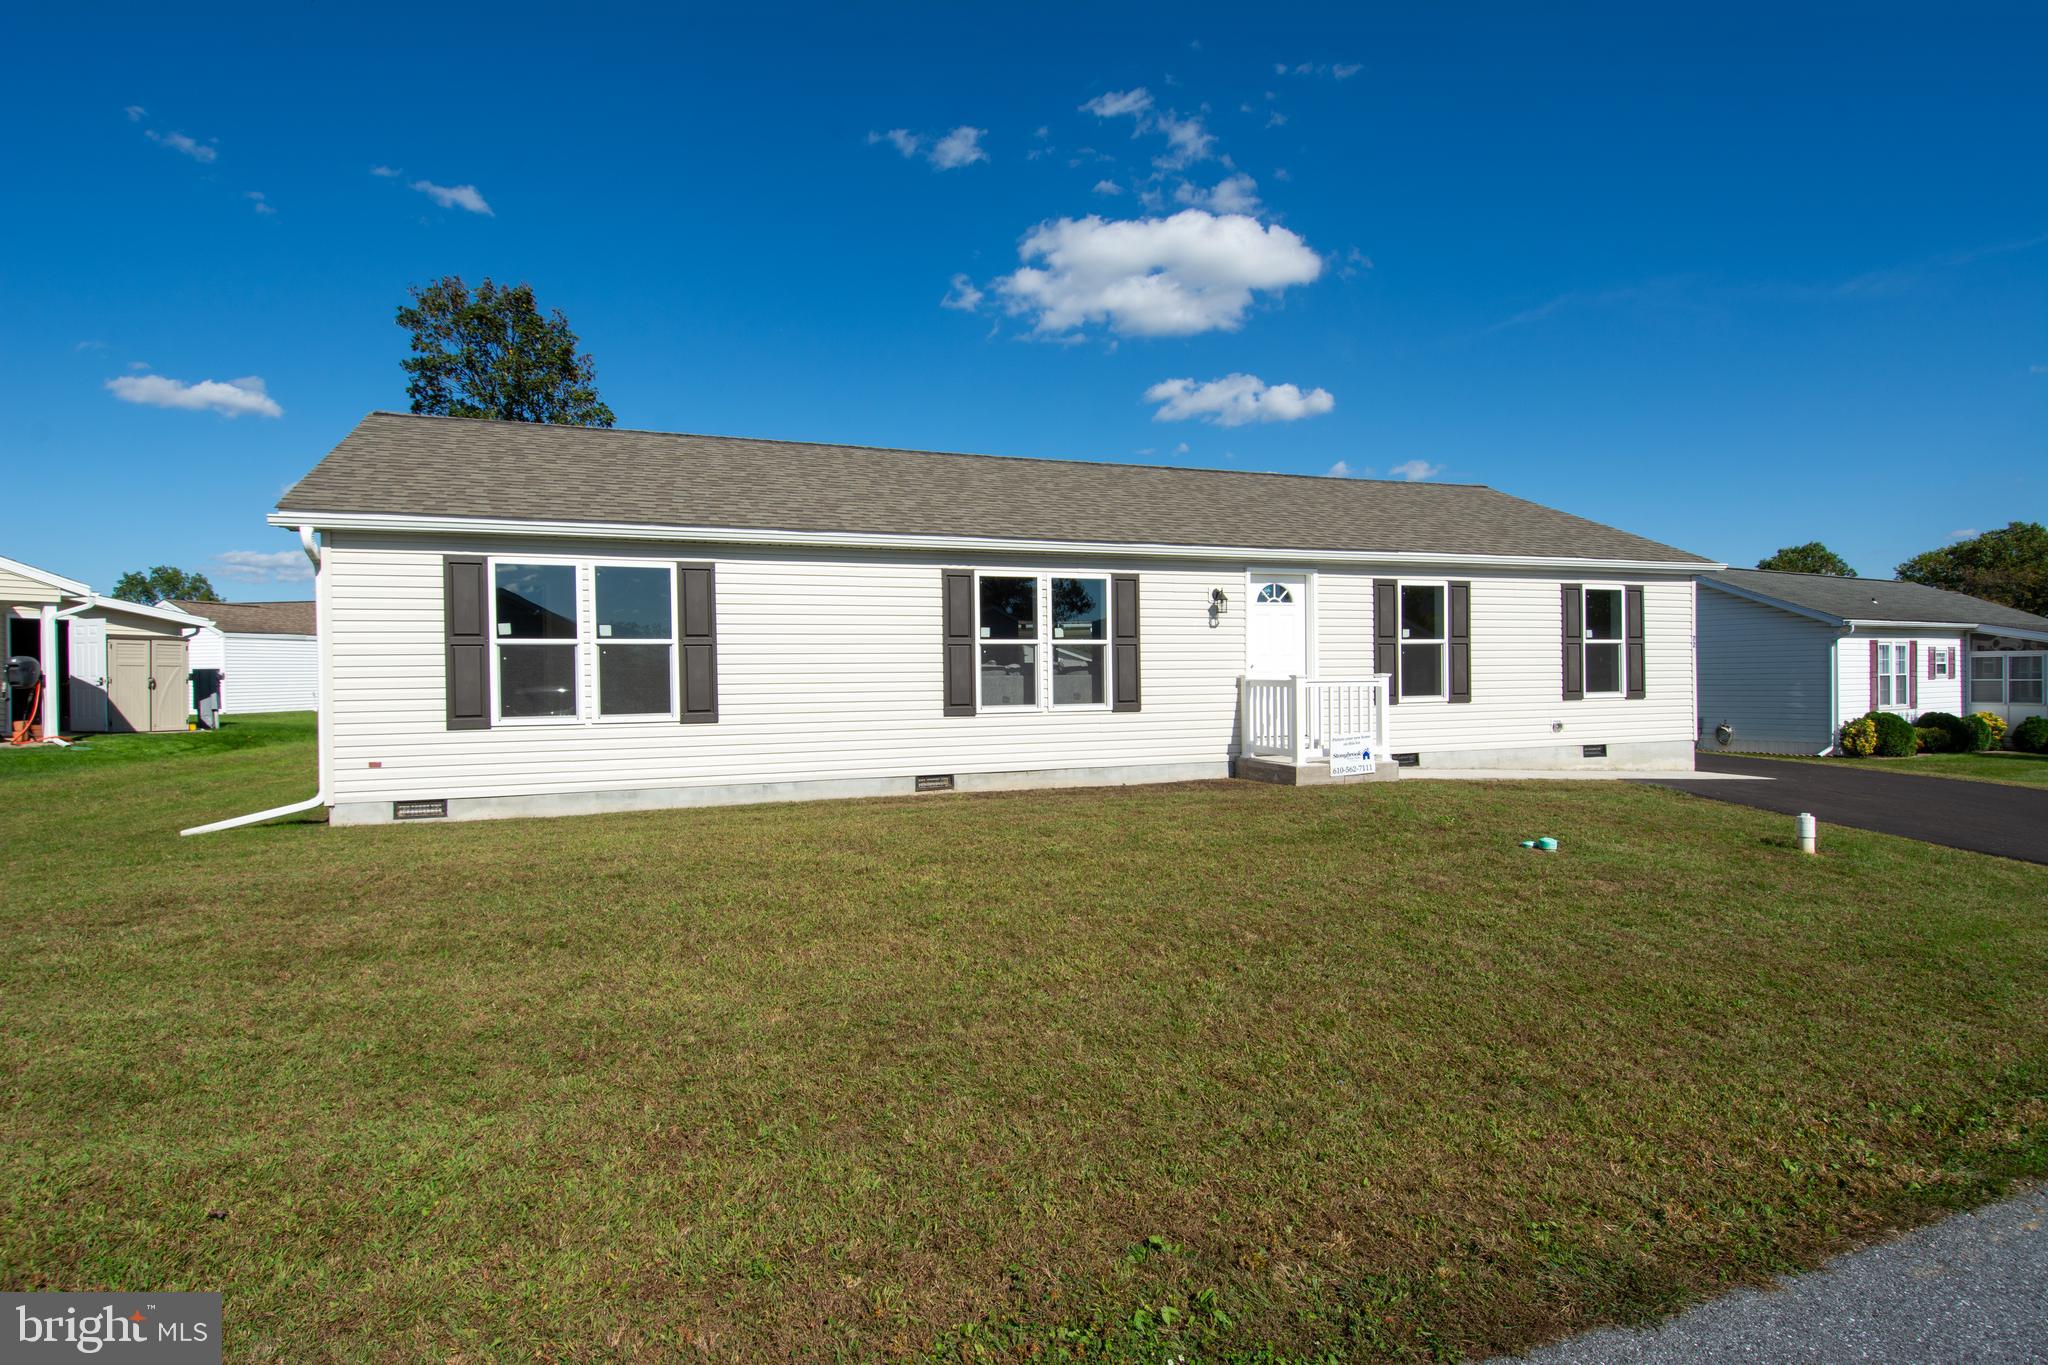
x=1859, y=738
x=1930, y=739
x=1956, y=735
x=2030, y=736
x=1982, y=736
x=1993, y=725
x=1895, y=737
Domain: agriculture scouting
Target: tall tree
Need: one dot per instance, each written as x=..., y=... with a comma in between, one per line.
x=1812, y=557
x=2009, y=565
x=490, y=353
x=164, y=583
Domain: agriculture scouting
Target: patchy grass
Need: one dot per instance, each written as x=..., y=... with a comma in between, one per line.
x=2003, y=766
x=1223, y=1070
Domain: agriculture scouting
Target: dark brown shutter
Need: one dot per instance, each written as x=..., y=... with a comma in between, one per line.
x=1460, y=642
x=1574, y=642
x=956, y=651
x=1913, y=675
x=1632, y=637
x=1873, y=676
x=1386, y=634
x=1123, y=633
x=697, y=650
x=467, y=612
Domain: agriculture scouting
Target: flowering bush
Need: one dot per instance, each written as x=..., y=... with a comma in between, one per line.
x=1954, y=734
x=2030, y=736
x=1993, y=725
x=1859, y=737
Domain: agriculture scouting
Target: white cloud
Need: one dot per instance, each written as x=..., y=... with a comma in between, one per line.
x=1233, y=194
x=136, y=113
x=1341, y=470
x=259, y=203
x=1108, y=187
x=1187, y=141
x=1967, y=533
x=90, y=346
x=387, y=172
x=138, y=364
x=2037, y=369
x=1117, y=103
x=178, y=142
x=229, y=398
x=902, y=139
x=455, y=197
x=1235, y=400
x=1414, y=471
x=1190, y=273
x=1344, y=71
x=1276, y=119
x=961, y=147
x=1181, y=449
x=963, y=296
x=263, y=566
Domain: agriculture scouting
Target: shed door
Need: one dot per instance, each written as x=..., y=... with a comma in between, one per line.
x=128, y=685
x=170, y=685
x=87, y=708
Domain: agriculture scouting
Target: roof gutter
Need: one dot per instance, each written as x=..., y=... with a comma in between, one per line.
x=868, y=540
x=319, y=797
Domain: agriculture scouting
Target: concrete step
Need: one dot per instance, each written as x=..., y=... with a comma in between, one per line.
x=1282, y=773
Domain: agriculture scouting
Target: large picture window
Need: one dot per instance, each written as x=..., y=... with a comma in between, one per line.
x=543, y=640
x=1422, y=639
x=1606, y=666
x=1041, y=640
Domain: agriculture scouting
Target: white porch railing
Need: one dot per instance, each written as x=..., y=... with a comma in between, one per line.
x=1296, y=718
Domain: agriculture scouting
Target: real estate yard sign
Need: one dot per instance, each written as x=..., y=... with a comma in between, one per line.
x=1351, y=756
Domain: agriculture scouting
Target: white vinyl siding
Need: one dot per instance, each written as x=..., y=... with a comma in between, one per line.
x=261, y=672
x=1852, y=653
x=1764, y=672
x=829, y=669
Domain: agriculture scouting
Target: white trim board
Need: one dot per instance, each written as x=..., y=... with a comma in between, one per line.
x=728, y=535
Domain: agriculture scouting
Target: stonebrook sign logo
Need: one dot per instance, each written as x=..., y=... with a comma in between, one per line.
x=165, y=1329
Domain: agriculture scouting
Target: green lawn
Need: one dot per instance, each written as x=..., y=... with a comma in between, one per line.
x=1997, y=765
x=1224, y=1070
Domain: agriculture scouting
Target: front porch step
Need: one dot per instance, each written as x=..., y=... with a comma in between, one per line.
x=1285, y=774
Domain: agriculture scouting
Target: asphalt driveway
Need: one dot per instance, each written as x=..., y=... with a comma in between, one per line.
x=1965, y=1291
x=1984, y=817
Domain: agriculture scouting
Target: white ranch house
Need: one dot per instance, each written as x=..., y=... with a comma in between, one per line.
x=1787, y=658
x=517, y=619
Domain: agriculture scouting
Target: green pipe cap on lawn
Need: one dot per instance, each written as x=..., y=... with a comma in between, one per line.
x=1547, y=844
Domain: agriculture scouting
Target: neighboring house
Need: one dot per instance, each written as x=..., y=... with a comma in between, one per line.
x=1786, y=658
x=267, y=652
x=107, y=664
x=525, y=619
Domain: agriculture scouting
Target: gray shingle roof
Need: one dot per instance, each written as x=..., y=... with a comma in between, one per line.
x=449, y=467
x=254, y=618
x=1877, y=599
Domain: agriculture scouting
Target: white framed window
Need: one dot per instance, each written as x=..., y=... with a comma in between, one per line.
x=1605, y=660
x=1425, y=625
x=1987, y=678
x=1276, y=592
x=1938, y=662
x=2023, y=680
x=1041, y=641
x=554, y=621
x=536, y=645
x=1894, y=674
x=634, y=615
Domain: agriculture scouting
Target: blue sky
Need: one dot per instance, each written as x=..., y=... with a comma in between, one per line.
x=1730, y=279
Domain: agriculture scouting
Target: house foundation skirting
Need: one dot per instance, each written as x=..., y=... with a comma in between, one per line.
x=1671, y=755
x=360, y=812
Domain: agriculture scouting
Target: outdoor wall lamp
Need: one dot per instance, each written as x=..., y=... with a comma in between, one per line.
x=1219, y=601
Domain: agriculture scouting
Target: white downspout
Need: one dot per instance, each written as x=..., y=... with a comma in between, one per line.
x=319, y=798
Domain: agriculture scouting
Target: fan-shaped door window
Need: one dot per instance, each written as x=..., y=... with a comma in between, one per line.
x=1275, y=592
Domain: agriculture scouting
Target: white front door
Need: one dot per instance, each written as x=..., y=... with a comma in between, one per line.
x=88, y=695
x=1276, y=631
